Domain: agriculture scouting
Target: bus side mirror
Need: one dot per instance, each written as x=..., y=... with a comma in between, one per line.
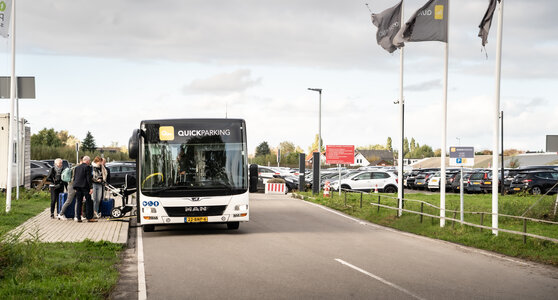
x=253, y=178
x=133, y=144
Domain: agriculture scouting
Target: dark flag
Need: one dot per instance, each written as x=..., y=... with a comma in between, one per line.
x=388, y=23
x=429, y=23
x=487, y=21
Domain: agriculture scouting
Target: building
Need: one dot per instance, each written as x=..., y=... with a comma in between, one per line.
x=365, y=158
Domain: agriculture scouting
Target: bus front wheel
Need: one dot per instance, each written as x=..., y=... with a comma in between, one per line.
x=233, y=225
x=148, y=228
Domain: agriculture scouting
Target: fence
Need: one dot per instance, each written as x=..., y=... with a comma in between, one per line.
x=421, y=213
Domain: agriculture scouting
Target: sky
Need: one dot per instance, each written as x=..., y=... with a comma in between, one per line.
x=103, y=66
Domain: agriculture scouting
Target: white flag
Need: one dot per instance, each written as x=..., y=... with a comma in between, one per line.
x=5, y=15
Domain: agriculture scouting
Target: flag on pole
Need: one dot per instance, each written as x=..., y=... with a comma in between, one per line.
x=5, y=14
x=388, y=23
x=487, y=21
x=429, y=23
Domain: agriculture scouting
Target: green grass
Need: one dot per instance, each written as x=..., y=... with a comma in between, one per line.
x=31, y=269
x=30, y=204
x=508, y=244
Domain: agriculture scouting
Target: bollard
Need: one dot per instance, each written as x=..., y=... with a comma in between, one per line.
x=482, y=220
x=360, y=199
x=379, y=203
x=421, y=211
x=524, y=231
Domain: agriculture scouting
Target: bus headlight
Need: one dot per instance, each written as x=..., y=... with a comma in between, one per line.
x=241, y=207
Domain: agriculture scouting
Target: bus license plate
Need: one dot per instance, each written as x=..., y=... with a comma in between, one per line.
x=195, y=219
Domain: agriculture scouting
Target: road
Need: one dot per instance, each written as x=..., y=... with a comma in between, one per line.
x=293, y=249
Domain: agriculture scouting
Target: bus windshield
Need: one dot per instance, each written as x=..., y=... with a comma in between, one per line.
x=199, y=167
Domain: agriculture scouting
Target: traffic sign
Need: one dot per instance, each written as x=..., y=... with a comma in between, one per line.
x=462, y=156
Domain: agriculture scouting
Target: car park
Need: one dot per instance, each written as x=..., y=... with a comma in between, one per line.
x=478, y=178
x=535, y=182
x=456, y=184
x=421, y=181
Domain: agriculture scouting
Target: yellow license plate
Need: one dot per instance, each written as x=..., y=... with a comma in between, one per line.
x=516, y=189
x=196, y=219
x=419, y=182
x=434, y=180
x=487, y=182
x=476, y=182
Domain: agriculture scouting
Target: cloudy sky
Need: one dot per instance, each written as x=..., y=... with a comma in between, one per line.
x=103, y=66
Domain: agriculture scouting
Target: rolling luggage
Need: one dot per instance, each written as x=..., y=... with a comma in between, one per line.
x=106, y=206
x=70, y=211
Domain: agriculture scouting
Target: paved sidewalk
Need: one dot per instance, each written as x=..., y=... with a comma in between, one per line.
x=54, y=230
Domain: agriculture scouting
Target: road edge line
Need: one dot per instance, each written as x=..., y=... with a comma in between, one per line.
x=142, y=289
x=380, y=279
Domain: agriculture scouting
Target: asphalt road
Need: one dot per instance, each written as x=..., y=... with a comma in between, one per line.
x=292, y=249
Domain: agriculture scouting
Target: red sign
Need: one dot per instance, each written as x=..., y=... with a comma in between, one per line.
x=340, y=154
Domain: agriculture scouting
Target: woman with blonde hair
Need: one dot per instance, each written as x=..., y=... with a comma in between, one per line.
x=98, y=180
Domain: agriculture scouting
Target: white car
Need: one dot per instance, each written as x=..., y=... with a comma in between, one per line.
x=368, y=181
x=434, y=182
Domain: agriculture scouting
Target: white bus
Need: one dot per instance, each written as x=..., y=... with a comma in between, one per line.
x=191, y=171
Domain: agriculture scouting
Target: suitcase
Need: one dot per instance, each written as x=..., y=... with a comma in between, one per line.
x=70, y=211
x=106, y=207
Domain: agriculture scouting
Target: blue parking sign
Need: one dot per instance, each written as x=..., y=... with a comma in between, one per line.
x=459, y=160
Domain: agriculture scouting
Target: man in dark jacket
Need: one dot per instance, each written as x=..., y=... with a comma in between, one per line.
x=57, y=185
x=83, y=187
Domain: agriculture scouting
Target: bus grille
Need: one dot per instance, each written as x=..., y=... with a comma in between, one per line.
x=195, y=211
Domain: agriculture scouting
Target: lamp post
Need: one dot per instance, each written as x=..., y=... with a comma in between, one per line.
x=319, y=132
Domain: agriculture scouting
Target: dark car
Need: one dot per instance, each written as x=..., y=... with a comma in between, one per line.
x=535, y=182
x=39, y=171
x=50, y=163
x=477, y=179
x=421, y=181
x=456, y=184
x=118, y=172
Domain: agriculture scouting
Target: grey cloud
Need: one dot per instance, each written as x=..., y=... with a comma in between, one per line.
x=424, y=86
x=224, y=83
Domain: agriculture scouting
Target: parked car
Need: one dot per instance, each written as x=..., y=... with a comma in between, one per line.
x=50, y=163
x=368, y=181
x=118, y=172
x=421, y=181
x=456, y=184
x=39, y=171
x=535, y=182
x=478, y=178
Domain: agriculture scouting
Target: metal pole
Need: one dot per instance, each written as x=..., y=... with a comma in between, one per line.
x=18, y=139
x=320, y=140
x=13, y=96
x=495, y=116
x=339, y=166
x=502, y=146
x=400, y=188
x=461, y=195
x=444, y=135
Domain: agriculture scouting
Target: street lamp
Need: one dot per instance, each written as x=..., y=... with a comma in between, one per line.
x=319, y=131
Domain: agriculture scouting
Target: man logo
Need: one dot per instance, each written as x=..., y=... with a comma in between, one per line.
x=166, y=133
x=439, y=12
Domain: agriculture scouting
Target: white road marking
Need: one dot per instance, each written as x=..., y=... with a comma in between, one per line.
x=380, y=279
x=475, y=250
x=142, y=289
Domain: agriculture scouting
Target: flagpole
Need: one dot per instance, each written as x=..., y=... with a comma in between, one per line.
x=496, y=114
x=13, y=91
x=444, y=131
x=400, y=187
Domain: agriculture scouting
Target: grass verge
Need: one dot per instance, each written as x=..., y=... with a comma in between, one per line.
x=31, y=269
x=508, y=244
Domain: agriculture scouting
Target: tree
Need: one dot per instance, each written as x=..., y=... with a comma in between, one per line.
x=46, y=137
x=438, y=152
x=88, y=144
x=388, y=144
x=286, y=147
x=372, y=147
x=262, y=149
x=405, y=146
x=314, y=146
x=413, y=145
